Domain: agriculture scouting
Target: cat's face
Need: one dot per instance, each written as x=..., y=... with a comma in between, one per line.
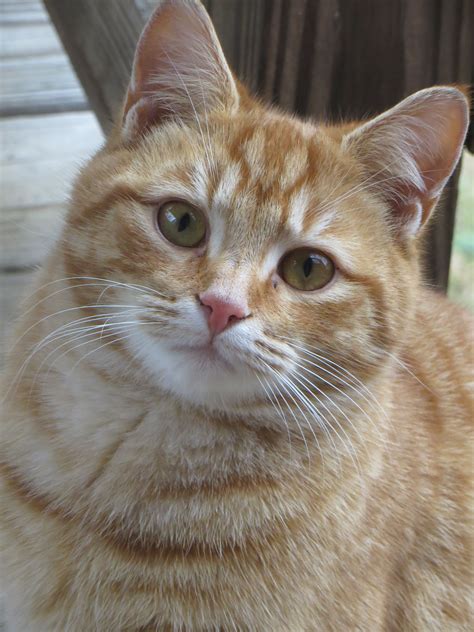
x=258, y=254
x=257, y=189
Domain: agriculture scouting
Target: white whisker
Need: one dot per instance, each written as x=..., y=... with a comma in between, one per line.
x=352, y=453
x=409, y=371
x=276, y=405
x=291, y=412
x=340, y=370
x=91, y=337
x=65, y=311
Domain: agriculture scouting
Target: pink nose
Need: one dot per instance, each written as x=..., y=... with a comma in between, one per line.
x=220, y=313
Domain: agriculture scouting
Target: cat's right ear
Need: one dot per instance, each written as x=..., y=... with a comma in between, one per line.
x=179, y=70
x=410, y=151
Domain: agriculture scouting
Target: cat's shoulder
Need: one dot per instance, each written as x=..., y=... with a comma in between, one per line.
x=440, y=344
x=435, y=308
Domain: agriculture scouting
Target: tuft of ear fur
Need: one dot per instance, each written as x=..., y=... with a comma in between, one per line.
x=410, y=151
x=179, y=70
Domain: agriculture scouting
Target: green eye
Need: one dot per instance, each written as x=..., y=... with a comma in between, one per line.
x=306, y=269
x=182, y=224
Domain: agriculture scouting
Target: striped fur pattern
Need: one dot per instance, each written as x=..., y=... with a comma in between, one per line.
x=307, y=470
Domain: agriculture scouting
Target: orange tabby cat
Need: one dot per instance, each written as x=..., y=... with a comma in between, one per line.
x=230, y=404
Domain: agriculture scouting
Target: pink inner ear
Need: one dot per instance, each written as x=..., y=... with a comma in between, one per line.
x=167, y=24
x=412, y=150
x=438, y=158
x=179, y=68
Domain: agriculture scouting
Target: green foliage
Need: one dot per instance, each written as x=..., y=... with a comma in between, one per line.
x=461, y=279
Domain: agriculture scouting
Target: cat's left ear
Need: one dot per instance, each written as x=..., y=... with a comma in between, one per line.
x=410, y=151
x=179, y=70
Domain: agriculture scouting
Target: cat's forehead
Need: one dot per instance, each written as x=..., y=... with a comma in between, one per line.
x=275, y=156
x=257, y=178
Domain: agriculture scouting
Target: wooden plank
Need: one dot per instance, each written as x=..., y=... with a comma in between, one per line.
x=270, y=56
x=145, y=8
x=23, y=40
x=22, y=12
x=37, y=168
x=32, y=138
x=40, y=154
x=39, y=84
x=291, y=66
x=45, y=182
x=100, y=39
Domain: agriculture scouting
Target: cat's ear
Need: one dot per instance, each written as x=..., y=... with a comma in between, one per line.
x=179, y=70
x=410, y=151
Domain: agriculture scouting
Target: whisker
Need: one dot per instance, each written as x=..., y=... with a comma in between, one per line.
x=352, y=454
x=369, y=419
x=65, y=311
x=115, y=340
x=409, y=371
x=120, y=328
x=90, y=335
x=360, y=186
x=291, y=412
x=346, y=395
x=213, y=168
x=276, y=405
x=85, y=322
x=313, y=411
x=64, y=289
x=339, y=370
x=51, y=336
x=90, y=329
x=291, y=387
x=92, y=278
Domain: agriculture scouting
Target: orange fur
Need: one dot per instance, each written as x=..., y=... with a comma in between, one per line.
x=202, y=496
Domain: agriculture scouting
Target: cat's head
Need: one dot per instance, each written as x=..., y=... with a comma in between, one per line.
x=248, y=251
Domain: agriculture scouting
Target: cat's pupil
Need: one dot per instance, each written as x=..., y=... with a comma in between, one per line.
x=307, y=267
x=184, y=222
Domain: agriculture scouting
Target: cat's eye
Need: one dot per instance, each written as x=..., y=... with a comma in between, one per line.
x=306, y=269
x=182, y=224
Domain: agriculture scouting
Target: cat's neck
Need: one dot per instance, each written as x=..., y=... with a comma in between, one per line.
x=166, y=470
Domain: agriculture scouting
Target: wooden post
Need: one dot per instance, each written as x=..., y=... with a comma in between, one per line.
x=100, y=38
x=320, y=58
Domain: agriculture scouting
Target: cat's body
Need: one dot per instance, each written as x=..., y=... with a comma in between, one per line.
x=267, y=547
x=149, y=487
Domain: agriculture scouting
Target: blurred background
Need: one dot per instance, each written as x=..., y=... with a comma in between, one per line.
x=310, y=56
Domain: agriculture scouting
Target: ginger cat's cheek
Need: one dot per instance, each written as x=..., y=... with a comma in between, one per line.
x=230, y=403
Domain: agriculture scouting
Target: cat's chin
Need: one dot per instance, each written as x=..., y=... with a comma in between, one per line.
x=200, y=375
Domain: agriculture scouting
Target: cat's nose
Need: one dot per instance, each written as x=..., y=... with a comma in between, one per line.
x=220, y=312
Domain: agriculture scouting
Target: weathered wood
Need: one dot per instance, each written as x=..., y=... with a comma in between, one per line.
x=36, y=138
x=41, y=153
x=25, y=40
x=35, y=74
x=22, y=12
x=37, y=168
x=39, y=85
x=100, y=39
x=319, y=58
x=44, y=182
